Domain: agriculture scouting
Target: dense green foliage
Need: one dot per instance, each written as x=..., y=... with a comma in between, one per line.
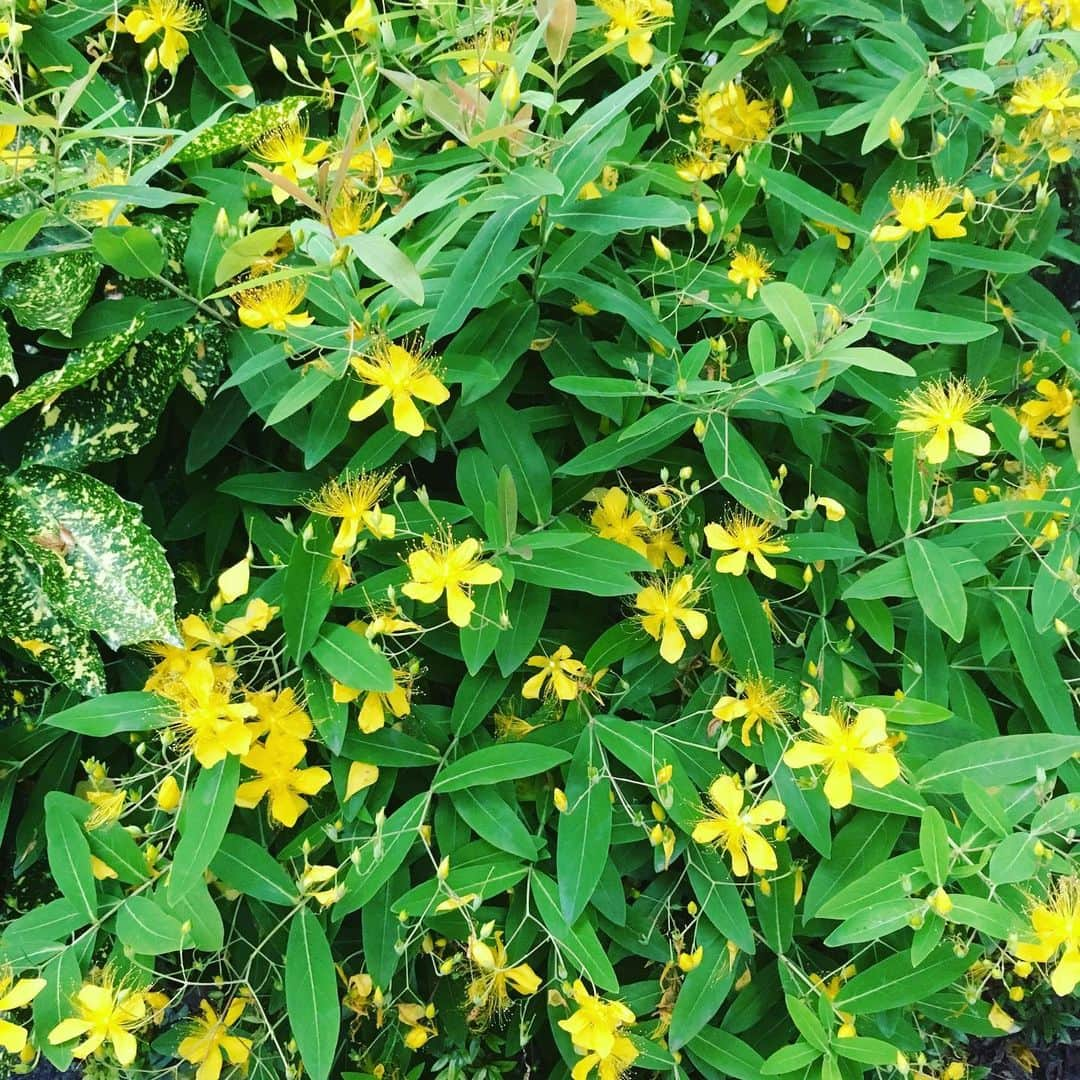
x=538, y=537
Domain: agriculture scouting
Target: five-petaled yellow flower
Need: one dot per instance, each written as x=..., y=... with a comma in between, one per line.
x=596, y=1030
x=1055, y=925
x=15, y=994
x=493, y=976
x=664, y=605
x=1048, y=91
x=615, y=519
x=174, y=19
x=737, y=829
x=285, y=150
x=276, y=762
x=758, y=702
x=744, y=536
x=105, y=1013
x=634, y=21
x=842, y=744
x=273, y=305
x=564, y=672
x=399, y=373
x=919, y=208
x=443, y=566
x=278, y=713
x=749, y=265
x=944, y=409
x=209, y=1042
x=355, y=499
x=376, y=704
x=1053, y=403
x=213, y=725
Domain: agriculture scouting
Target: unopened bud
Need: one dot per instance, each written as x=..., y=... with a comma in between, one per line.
x=277, y=58
x=789, y=97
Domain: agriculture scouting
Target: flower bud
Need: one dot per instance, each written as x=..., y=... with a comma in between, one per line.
x=277, y=58
x=789, y=97
x=663, y=252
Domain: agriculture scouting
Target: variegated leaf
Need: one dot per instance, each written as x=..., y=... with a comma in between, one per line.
x=50, y=292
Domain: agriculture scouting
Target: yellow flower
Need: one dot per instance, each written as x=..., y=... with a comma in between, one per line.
x=20, y=155
x=443, y=566
x=209, y=1042
x=920, y=208
x=742, y=536
x=15, y=994
x=370, y=164
x=355, y=499
x=729, y=117
x=361, y=994
x=666, y=604
x=634, y=21
x=595, y=1029
x=354, y=212
x=108, y=806
x=399, y=373
x=758, y=702
x=614, y=520
x=273, y=305
x=700, y=164
x=173, y=19
x=493, y=976
x=583, y=307
x=418, y=1020
x=843, y=239
x=944, y=408
x=660, y=546
x=749, y=265
x=1048, y=91
x=736, y=829
x=285, y=149
x=486, y=57
x=213, y=724
x=362, y=20
x=1053, y=402
x=278, y=713
x=840, y=745
x=257, y=616
x=105, y=1013
x=1055, y=926
x=372, y=715
x=563, y=672
x=279, y=778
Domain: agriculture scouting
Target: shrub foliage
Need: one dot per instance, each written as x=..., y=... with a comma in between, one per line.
x=537, y=538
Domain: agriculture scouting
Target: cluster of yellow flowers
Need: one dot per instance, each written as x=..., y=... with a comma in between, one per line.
x=1051, y=106
x=597, y=1031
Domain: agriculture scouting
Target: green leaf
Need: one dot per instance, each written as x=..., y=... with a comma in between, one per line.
x=789, y=1059
x=911, y=485
x=474, y=699
x=616, y=213
x=893, y=983
x=726, y=1052
x=938, y=587
x=577, y=941
x=583, y=831
x=493, y=764
x=810, y=202
x=791, y=308
x=743, y=625
x=387, y=262
x=213, y=51
x=866, y=1051
x=147, y=930
x=351, y=659
x=720, y=898
x=493, y=819
x=250, y=869
x=704, y=989
x=112, y=714
x=202, y=821
x=311, y=994
x=49, y=292
x=510, y=444
x=1008, y=759
x=587, y=564
x=928, y=327
x=526, y=608
x=133, y=251
x=243, y=129
x=69, y=858
x=898, y=105
x=1013, y=860
x=309, y=591
x=63, y=978
x=741, y=470
x=934, y=846
x=644, y=437
x=972, y=257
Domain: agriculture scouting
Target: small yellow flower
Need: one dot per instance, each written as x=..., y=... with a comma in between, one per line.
x=841, y=745
x=278, y=713
x=689, y=961
x=702, y=163
x=663, y=606
x=418, y=1022
x=944, y=409
x=560, y=671
x=1053, y=403
x=355, y=500
x=257, y=616
x=1055, y=928
x=758, y=702
x=1048, y=91
x=634, y=22
x=487, y=56
x=362, y=20
x=920, y=208
x=743, y=536
x=212, y=724
x=596, y=1030
x=731, y=118
x=173, y=19
x=398, y=373
x=372, y=716
x=105, y=1013
x=355, y=211
x=15, y=994
x=749, y=265
x=738, y=830
x=614, y=519
x=443, y=566
x=273, y=305
x=285, y=150
x=279, y=779
x=208, y=1042
x=493, y=976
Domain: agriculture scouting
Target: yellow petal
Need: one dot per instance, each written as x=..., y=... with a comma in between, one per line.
x=361, y=775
